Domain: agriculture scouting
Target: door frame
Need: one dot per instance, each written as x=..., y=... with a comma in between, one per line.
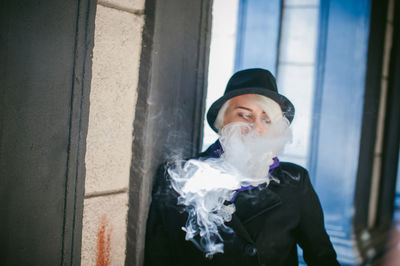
x=171, y=100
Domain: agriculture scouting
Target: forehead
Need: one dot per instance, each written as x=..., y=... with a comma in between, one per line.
x=247, y=100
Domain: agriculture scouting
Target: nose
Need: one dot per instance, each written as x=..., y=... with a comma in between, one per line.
x=260, y=127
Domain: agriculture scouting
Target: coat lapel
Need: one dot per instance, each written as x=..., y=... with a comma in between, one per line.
x=239, y=229
x=252, y=203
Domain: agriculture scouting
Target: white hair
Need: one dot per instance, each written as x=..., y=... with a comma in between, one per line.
x=219, y=121
x=270, y=107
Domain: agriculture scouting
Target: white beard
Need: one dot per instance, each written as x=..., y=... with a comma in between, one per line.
x=251, y=153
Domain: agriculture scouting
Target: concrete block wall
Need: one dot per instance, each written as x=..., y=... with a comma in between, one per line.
x=116, y=56
x=296, y=70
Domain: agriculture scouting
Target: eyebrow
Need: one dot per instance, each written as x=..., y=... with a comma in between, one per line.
x=242, y=107
x=248, y=109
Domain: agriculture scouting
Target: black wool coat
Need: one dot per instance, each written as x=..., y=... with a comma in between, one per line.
x=268, y=223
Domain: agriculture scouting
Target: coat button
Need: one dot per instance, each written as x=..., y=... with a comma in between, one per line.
x=250, y=250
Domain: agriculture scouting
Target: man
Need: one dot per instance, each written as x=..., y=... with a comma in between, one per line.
x=236, y=204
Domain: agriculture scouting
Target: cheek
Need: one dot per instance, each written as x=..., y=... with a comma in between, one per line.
x=229, y=119
x=244, y=130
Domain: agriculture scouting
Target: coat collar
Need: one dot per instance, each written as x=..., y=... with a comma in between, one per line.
x=214, y=150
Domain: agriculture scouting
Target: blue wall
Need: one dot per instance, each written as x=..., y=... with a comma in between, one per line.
x=338, y=106
x=258, y=34
x=338, y=102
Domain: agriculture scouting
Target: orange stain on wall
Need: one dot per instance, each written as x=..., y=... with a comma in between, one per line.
x=103, y=244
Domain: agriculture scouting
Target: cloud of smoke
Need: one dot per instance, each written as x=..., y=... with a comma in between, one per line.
x=205, y=186
x=250, y=153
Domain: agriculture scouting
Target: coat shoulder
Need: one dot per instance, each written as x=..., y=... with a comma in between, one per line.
x=292, y=167
x=293, y=173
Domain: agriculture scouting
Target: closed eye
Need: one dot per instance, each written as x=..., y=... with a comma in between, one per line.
x=266, y=120
x=245, y=116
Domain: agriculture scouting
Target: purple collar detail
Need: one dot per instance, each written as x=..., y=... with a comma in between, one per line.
x=239, y=190
x=274, y=165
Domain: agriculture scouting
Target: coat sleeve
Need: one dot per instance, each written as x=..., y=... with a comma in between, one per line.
x=311, y=233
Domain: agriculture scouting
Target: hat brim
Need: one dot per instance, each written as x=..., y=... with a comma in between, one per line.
x=286, y=106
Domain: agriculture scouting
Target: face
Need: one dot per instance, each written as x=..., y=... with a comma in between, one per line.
x=244, y=108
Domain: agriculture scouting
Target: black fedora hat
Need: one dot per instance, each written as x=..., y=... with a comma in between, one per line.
x=251, y=81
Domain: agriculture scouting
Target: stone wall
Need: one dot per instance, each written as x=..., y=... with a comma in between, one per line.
x=116, y=55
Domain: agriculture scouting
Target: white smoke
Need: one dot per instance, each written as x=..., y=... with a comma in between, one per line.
x=204, y=185
x=251, y=153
